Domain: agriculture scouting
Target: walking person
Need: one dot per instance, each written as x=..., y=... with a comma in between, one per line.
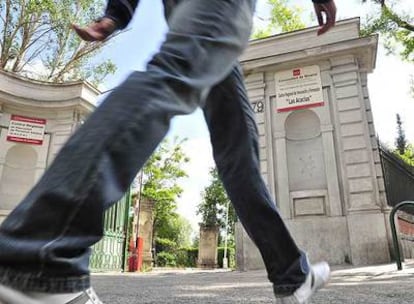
x=44, y=243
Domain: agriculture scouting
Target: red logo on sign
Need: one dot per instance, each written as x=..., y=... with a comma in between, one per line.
x=296, y=72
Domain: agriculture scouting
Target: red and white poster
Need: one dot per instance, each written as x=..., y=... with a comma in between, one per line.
x=26, y=129
x=298, y=88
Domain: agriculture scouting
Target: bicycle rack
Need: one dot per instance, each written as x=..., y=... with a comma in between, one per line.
x=394, y=231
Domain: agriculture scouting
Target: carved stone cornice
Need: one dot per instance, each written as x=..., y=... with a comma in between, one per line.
x=304, y=45
x=18, y=90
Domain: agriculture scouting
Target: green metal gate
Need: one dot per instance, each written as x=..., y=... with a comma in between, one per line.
x=110, y=253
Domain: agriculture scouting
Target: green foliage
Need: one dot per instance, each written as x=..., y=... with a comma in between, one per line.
x=187, y=257
x=407, y=156
x=165, y=259
x=396, y=27
x=282, y=19
x=214, y=200
x=175, y=228
x=214, y=204
x=165, y=245
x=161, y=175
x=403, y=149
x=36, y=40
x=231, y=257
x=196, y=241
x=400, y=141
x=169, y=254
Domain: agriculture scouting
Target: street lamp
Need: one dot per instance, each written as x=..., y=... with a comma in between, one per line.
x=225, y=261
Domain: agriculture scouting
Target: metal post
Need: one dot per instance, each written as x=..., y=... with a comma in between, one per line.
x=225, y=260
x=126, y=229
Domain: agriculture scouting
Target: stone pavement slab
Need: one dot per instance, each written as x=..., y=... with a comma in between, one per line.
x=381, y=284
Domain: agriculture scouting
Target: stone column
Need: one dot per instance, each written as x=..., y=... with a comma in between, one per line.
x=145, y=230
x=361, y=168
x=207, y=248
x=283, y=196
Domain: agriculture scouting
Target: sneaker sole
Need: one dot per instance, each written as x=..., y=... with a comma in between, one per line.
x=11, y=296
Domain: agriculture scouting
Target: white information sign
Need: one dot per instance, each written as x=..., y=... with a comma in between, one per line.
x=26, y=129
x=298, y=88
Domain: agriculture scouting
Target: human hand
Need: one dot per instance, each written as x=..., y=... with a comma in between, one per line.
x=97, y=31
x=329, y=9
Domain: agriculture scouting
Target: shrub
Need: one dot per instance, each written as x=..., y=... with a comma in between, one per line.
x=165, y=245
x=167, y=254
x=187, y=257
x=166, y=259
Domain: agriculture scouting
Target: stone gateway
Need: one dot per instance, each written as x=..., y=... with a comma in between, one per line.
x=318, y=147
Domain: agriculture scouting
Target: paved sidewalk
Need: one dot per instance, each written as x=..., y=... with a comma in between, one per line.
x=367, y=285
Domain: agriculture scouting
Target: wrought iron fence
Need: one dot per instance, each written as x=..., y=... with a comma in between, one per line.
x=399, y=186
x=110, y=253
x=398, y=178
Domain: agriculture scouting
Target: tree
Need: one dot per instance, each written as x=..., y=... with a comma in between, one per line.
x=400, y=141
x=161, y=174
x=36, y=40
x=282, y=19
x=408, y=156
x=404, y=150
x=213, y=206
x=396, y=27
x=176, y=229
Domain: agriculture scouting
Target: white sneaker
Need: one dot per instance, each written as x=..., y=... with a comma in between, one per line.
x=316, y=279
x=13, y=296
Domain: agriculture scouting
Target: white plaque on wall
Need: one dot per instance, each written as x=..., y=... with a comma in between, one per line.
x=26, y=129
x=298, y=88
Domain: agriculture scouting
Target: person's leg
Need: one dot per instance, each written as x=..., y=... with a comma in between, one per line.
x=169, y=6
x=234, y=138
x=44, y=243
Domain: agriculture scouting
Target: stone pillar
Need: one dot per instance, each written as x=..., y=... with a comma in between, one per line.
x=318, y=151
x=145, y=230
x=207, y=248
x=361, y=168
x=247, y=255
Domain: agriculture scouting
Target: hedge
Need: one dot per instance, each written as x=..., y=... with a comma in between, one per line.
x=182, y=257
x=165, y=245
x=166, y=259
x=187, y=257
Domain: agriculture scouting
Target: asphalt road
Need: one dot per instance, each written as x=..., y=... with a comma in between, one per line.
x=370, y=285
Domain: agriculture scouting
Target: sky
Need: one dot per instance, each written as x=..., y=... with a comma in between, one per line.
x=388, y=87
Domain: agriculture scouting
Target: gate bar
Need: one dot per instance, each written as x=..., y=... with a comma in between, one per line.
x=394, y=231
